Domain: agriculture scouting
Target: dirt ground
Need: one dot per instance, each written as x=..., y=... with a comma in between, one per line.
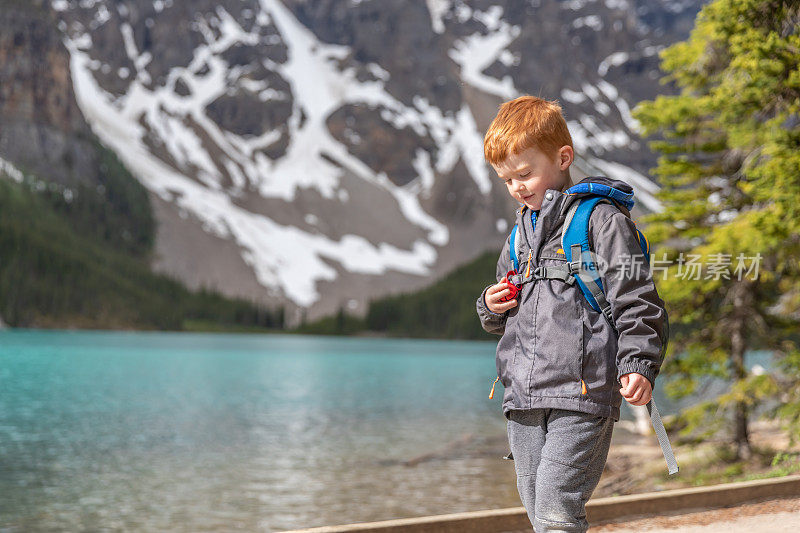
x=775, y=516
x=636, y=465
x=635, y=462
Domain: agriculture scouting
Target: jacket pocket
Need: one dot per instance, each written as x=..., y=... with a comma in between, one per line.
x=558, y=338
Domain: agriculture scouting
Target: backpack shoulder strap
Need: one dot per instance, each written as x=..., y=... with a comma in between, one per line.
x=515, y=245
x=575, y=243
x=512, y=247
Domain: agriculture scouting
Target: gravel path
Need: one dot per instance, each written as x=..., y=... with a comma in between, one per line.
x=774, y=516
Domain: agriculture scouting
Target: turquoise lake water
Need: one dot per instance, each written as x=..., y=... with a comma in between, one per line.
x=211, y=432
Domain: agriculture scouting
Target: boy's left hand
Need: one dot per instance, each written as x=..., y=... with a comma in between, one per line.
x=636, y=388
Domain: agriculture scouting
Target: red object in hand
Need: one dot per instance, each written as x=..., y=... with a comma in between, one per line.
x=510, y=286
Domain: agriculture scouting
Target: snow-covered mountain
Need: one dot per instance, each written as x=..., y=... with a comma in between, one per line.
x=324, y=152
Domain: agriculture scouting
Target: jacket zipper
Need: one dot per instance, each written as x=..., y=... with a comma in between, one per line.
x=584, y=388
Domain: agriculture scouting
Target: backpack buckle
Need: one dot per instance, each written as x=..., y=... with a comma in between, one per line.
x=607, y=313
x=576, y=264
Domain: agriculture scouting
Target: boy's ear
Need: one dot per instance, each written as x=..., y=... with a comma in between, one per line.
x=566, y=156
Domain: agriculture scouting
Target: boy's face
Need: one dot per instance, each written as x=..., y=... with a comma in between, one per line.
x=530, y=173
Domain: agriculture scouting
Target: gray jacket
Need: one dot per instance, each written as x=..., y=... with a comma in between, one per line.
x=553, y=339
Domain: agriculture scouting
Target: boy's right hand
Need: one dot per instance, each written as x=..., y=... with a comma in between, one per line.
x=495, y=293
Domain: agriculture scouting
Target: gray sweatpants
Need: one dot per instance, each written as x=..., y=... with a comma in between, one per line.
x=559, y=456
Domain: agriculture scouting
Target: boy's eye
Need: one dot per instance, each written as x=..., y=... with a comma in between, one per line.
x=528, y=173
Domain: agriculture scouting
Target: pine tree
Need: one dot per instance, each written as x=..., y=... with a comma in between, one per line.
x=729, y=164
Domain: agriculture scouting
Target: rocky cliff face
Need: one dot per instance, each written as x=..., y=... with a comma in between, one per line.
x=42, y=130
x=324, y=152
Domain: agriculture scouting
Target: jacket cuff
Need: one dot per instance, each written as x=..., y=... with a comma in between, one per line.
x=490, y=321
x=640, y=367
x=485, y=308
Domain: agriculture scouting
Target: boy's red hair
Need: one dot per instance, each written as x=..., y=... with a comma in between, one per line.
x=525, y=122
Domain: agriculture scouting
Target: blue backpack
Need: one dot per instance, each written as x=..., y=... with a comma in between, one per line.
x=582, y=270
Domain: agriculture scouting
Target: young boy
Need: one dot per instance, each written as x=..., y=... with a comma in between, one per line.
x=564, y=367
